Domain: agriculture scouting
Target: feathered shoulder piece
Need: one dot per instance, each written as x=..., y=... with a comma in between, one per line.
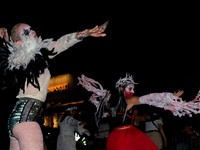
x=21, y=56
x=99, y=97
x=25, y=62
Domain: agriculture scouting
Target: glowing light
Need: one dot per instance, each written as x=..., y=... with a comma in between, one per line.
x=77, y=137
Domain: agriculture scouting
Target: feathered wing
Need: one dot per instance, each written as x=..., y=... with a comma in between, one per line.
x=172, y=103
x=21, y=56
x=101, y=109
x=100, y=98
x=4, y=54
x=17, y=66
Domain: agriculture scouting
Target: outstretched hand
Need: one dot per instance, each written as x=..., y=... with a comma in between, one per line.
x=98, y=30
x=178, y=94
x=4, y=34
x=95, y=32
x=82, y=123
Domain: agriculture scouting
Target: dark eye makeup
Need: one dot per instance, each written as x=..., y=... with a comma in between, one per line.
x=26, y=32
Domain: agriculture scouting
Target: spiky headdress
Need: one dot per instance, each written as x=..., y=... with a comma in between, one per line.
x=125, y=81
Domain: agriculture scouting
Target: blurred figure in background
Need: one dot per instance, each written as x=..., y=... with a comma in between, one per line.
x=154, y=130
x=68, y=125
x=102, y=135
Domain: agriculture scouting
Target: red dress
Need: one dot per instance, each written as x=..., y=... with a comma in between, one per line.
x=129, y=138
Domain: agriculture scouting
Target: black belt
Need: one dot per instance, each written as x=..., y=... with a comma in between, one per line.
x=151, y=131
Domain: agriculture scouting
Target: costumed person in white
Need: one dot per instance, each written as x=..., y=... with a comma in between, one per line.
x=126, y=136
x=24, y=68
x=68, y=125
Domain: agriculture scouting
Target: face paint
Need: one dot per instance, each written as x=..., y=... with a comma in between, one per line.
x=129, y=90
x=26, y=31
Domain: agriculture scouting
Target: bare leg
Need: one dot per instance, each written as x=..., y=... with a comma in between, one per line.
x=14, y=144
x=29, y=136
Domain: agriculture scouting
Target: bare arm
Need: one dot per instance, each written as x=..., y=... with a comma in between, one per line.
x=163, y=134
x=95, y=32
x=69, y=40
x=133, y=101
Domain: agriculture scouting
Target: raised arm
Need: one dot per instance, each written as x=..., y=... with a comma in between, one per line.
x=152, y=98
x=160, y=99
x=95, y=32
x=4, y=34
x=169, y=101
x=69, y=40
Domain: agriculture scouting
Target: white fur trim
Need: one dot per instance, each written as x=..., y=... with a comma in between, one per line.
x=22, y=55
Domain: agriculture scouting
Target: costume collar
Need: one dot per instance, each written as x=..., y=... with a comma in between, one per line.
x=21, y=56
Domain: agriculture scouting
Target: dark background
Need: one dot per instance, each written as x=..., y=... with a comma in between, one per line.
x=157, y=42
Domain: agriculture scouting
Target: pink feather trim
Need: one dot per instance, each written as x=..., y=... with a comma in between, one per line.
x=92, y=86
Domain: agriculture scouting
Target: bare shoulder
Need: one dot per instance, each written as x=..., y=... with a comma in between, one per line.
x=134, y=100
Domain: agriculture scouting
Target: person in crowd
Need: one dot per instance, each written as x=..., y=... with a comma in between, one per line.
x=24, y=69
x=68, y=125
x=192, y=135
x=102, y=135
x=154, y=130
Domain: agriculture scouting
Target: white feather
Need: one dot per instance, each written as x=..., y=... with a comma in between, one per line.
x=22, y=55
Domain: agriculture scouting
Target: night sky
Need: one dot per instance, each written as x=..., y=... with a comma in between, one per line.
x=158, y=43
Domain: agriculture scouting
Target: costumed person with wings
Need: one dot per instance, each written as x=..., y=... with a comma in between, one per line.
x=24, y=68
x=126, y=135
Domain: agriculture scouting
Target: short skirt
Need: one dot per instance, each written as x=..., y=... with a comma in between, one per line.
x=129, y=138
x=25, y=109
